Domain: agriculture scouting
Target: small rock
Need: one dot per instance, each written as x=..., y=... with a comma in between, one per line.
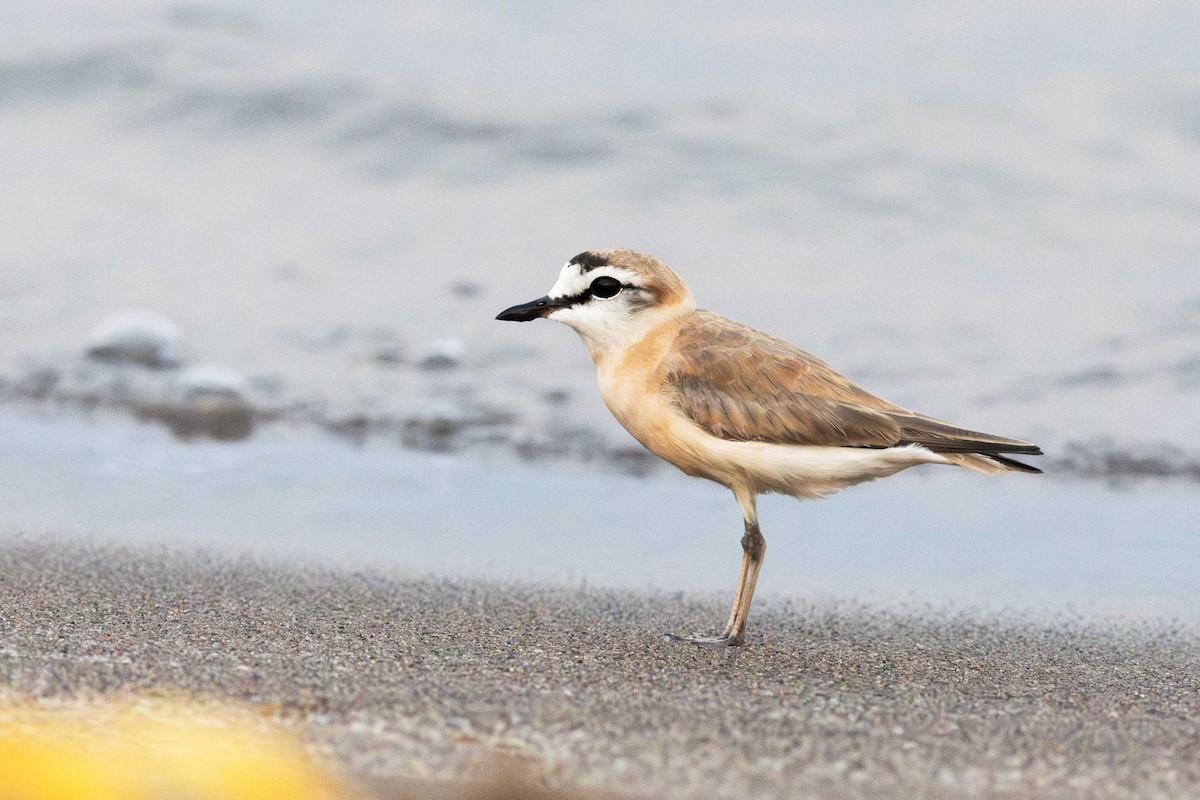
x=442, y=354
x=466, y=289
x=206, y=402
x=38, y=383
x=434, y=427
x=356, y=428
x=135, y=337
x=556, y=397
x=210, y=380
x=389, y=355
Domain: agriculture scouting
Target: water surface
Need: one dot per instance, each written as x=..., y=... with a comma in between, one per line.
x=936, y=536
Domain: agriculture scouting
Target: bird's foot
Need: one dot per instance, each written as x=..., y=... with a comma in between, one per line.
x=706, y=641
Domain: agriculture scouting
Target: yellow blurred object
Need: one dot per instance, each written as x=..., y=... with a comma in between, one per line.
x=151, y=749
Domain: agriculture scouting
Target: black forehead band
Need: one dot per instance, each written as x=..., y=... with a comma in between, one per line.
x=589, y=261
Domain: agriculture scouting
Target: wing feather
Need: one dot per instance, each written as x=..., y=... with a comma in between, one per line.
x=743, y=385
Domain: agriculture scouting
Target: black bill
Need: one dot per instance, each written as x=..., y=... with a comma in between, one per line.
x=534, y=309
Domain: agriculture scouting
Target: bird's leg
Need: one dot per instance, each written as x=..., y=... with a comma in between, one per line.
x=754, y=547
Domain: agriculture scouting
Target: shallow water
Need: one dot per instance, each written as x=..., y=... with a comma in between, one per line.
x=989, y=215
x=933, y=536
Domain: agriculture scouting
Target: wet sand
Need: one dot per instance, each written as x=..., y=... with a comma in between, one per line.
x=401, y=680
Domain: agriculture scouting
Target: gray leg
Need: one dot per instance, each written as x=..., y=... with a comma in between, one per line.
x=754, y=547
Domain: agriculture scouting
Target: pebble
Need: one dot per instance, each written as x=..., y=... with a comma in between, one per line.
x=211, y=380
x=135, y=337
x=442, y=354
x=207, y=402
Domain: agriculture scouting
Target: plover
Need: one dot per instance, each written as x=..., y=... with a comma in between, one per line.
x=723, y=401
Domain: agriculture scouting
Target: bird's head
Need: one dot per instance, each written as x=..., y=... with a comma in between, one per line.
x=610, y=297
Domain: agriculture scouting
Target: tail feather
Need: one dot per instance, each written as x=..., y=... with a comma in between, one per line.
x=989, y=463
x=1016, y=466
x=942, y=437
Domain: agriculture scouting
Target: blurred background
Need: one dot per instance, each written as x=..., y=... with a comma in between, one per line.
x=251, y=252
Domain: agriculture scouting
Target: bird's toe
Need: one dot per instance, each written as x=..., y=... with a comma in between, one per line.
x=705, y=641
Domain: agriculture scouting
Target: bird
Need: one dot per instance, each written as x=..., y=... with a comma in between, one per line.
x=723, y=401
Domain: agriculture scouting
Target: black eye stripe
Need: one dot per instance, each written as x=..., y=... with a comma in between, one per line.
x=585, y=295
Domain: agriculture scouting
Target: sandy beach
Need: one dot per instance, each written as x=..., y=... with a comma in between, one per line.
x=400, y=680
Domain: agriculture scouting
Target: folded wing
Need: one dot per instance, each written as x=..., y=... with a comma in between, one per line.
x=743, y=385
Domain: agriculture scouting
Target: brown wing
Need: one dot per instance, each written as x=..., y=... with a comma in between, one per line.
x=743, y=385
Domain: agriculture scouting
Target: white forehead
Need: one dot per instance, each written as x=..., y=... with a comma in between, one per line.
x=572, y=281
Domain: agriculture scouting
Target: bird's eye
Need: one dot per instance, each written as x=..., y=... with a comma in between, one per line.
x=605, y=286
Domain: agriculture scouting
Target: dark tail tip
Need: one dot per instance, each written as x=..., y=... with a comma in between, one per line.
x=1013, y=464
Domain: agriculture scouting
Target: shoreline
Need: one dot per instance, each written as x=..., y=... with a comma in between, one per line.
x=484, y=432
